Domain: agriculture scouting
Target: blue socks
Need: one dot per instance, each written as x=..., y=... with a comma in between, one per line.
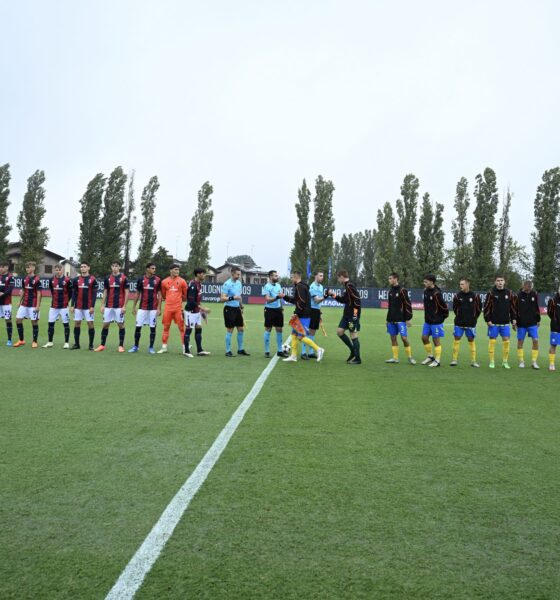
x=279, y=341
x=228, y=342
x=267, y=341
x=239, y=341
x=311, y=352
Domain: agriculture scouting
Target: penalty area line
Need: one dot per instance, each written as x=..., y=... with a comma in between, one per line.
x=143, y=560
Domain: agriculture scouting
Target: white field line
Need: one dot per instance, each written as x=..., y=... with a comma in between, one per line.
x=140, y=564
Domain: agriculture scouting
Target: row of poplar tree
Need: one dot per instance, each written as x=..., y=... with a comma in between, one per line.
x=409, y=236
x=108, y=216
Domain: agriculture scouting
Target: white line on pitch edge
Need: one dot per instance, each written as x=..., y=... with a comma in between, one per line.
x=141, y=563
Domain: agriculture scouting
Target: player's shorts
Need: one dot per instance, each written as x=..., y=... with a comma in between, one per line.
x=146, y=317
x=554, y=338
x=83, y=314
x=436, y=331
x=495, y=330
x=470, y=332
x=353, y=325
x=28, y=312
x=171, y=316
x=193, y=319
x=315, y=321
x=399, y=328
x=6, y=311
x=532, y=332
x=305, y=322
x=233, y=317
x=273, y=317
x=54, y=313
x=113, y=314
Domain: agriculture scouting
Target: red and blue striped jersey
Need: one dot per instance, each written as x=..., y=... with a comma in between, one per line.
x=116, y=286
x=194, y=296
x=30, y=292
x=84, y=292
x=148, y=289
x=61, y=288
x=6, y=288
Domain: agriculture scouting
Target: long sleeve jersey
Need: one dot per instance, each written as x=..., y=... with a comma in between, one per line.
x=528, y=311
x=435, y=307
x=467, y=307
x=351, y=300
x=400, y=307
x=553, y=310
x=500, y=306
x=301, y=299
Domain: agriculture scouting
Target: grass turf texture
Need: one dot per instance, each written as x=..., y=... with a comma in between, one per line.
x=385, y=481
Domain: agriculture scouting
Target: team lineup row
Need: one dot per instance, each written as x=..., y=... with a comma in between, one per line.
x=503, y=310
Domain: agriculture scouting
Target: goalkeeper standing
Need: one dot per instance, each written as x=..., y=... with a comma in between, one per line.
x=350, y=317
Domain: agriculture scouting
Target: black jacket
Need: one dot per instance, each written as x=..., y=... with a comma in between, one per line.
x=435, y=307
x=553, y=310
x=500, y=306
x=399, y=308
x=351, y=300
x=301, y=299
x=528, y=312
x=467, y=308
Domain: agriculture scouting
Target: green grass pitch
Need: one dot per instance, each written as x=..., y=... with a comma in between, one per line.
x=371, y=481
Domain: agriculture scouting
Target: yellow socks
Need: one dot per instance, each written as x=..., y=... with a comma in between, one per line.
x=534, y=355
x=437, y=352
x=491, y=349
x=520, y=354
x=472, y=346
x=408, y=350
x=309, y=342
x=294, y=344
x=455, y=354
x=505, y=353
x=551, y=358
x=395, y=350
x=428, y=348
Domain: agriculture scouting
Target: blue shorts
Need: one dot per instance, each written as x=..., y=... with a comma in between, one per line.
x=397, y=329
x=495, y=330
x=554, y=338
x=436, y=331
x=305, y=322
x=532, y=332
x=470, y=332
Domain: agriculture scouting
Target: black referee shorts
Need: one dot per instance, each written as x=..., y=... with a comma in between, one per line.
x=233, y=317
x=315, y=321
x=273, y=317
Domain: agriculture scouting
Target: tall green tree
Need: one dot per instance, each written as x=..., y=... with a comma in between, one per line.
x=4, y=203
x=130, y=219
x=546, y=237
x=384, y=241
x=484, y=231
x=162, y=259
x=148, y=234
x=367, y=277
x=302, y=236
x=32, y=234
x=429, y=247
x=461, y=254
x=349, y=257
x=113, y=220
x=323, y=225
x=505, y=241
x=407, y=206
x=201, y=227
x=89, y=245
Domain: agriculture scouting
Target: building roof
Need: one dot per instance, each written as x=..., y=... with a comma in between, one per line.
x=13, y=250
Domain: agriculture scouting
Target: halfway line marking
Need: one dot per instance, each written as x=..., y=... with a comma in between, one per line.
x=141, y=563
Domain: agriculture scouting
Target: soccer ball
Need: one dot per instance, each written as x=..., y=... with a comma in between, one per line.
x=287, y=348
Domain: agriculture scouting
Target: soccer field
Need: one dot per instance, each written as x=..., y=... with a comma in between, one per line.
x=371, y=481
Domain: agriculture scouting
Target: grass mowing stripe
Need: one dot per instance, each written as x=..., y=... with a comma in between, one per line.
x=140, y=564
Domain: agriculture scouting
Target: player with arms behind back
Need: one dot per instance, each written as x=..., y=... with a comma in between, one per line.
x=61, y=292
x=29, y=305
x=528, y=322
x=148, y=295
x=499, y=312
x=194, y=313
x=6, y=288
x=113, y=305
x=467, y=308
x=435, y=313
x=553, y=311
x=399, y=315
x=84, y=296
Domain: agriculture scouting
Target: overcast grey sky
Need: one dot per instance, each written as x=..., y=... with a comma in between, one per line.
x=254, y=96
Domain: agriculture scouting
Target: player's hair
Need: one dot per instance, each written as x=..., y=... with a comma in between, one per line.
x=58, y=266
x=84, y=262
x=430, y=277
x=234, y=269
x=527, y=281
x=174, y=266
x=296, y=273
x=199, y=270
x=315, y=273
x=499, y=276
x=270, y=273
x=342, y=273
x=30, y=263
x=394, y=275
x=150, y=264
x=465, y=279
x=3, y=263
x=116, y=262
